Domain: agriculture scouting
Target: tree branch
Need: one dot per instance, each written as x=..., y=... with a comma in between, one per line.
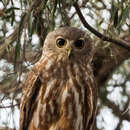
x=115, y=109
x=4, y=43
x=10, y=106
x=119, y=42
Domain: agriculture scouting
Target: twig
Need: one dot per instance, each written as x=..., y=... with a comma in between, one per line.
x=9, y=106
x=119, y=42
x=4, y=43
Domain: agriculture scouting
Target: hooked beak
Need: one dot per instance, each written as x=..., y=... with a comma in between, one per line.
x=69, y=51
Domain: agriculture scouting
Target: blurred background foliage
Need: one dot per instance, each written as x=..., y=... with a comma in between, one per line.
x=24, y=25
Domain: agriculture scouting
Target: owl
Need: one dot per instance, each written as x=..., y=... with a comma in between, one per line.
x=59, y=92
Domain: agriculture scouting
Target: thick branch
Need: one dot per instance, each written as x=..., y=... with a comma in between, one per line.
x=119, y=42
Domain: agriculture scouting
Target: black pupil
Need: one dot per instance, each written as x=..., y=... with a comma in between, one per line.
x=79, y=43
x=61, y=42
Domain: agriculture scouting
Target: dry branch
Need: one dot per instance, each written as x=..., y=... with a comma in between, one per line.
x=119, y=42
x=10, y=106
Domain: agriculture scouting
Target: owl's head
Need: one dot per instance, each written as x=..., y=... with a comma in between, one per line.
x=72, y=42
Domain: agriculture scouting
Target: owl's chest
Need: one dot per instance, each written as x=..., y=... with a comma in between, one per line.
x=63, y=83
x=61, y=98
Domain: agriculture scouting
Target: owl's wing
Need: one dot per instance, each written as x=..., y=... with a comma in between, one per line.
x=28, y=101
x=91, y=103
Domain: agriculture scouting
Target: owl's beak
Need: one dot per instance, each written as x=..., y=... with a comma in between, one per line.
x=69, y=51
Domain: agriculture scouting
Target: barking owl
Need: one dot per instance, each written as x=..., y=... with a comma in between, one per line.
x=59, y=92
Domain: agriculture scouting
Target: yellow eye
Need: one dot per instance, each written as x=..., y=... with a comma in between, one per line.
x=61, y=42
x=79, y=44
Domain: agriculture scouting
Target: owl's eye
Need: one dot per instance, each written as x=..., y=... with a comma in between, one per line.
x=61, y=42
x=79, y=44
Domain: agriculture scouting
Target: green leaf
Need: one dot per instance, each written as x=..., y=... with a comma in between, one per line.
x=12, y=2
x=51, y=27
x=17, y=52
x=116, y=18
x=30, y=28
x=44, y=6
x=12, y=18
x=123, y=16
x=55, y=6
x=18, y=45
x=21, y=3
x=113, y=9
x=129, y=28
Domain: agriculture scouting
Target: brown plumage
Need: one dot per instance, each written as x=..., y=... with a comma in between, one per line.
x=59, y=91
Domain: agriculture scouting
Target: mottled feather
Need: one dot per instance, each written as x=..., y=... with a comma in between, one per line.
x=59, y=92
